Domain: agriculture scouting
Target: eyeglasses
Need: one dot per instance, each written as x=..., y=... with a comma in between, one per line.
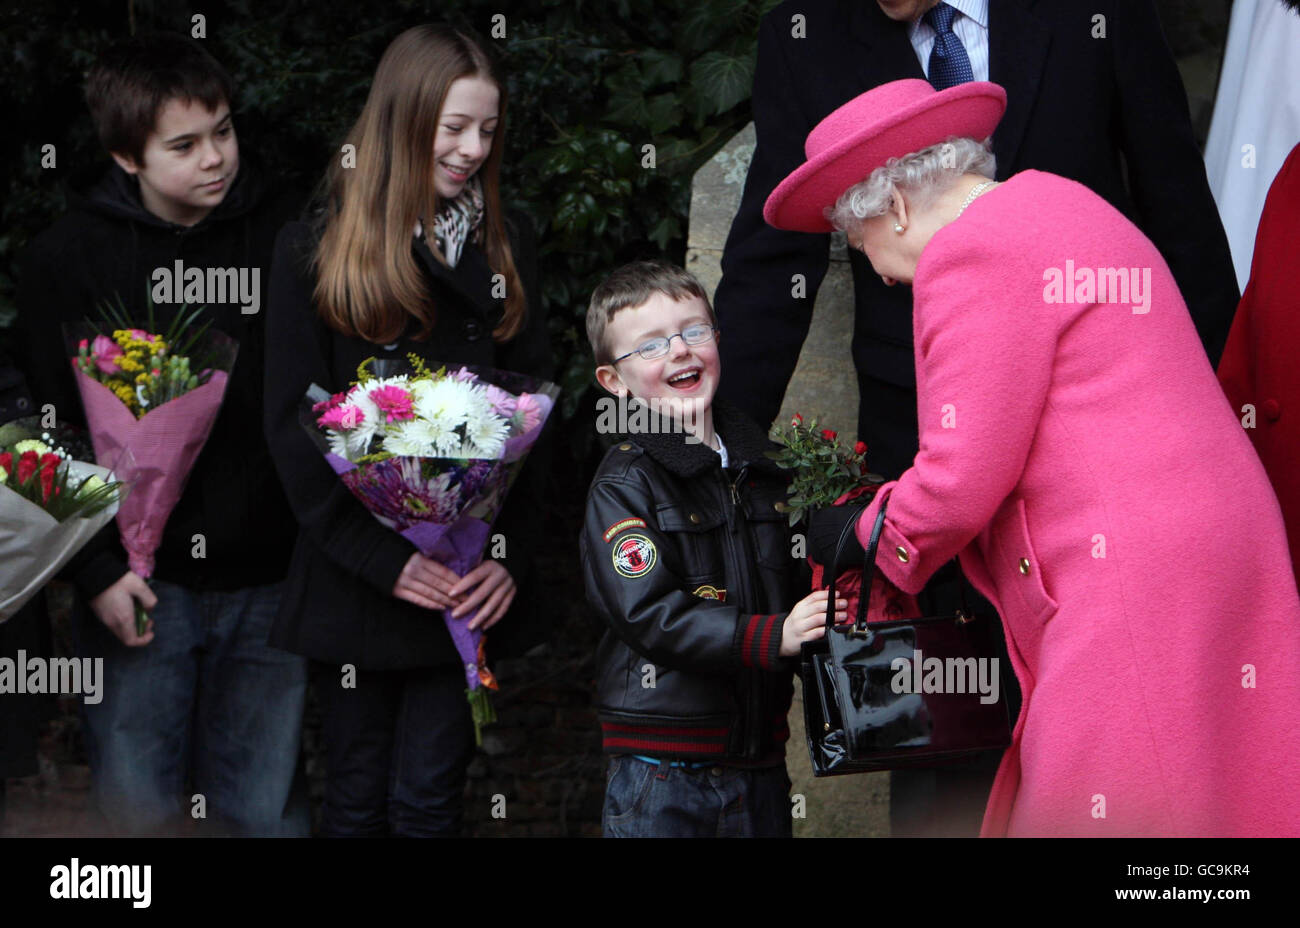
x=656, y=348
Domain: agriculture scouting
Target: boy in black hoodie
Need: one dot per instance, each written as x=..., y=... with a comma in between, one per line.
x=200, y=698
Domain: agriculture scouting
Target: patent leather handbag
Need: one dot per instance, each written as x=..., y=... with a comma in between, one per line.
x=900, y=694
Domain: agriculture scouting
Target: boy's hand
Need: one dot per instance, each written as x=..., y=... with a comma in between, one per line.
x=426, y=583
x=115, y=607
x=807, y=621
x=496, y=591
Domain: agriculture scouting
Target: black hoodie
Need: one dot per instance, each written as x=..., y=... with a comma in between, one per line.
x=107, y=246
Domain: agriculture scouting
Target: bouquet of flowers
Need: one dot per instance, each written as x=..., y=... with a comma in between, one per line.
x=50, y=506
x=155, y=395
x=432, y=454
x=825, y=474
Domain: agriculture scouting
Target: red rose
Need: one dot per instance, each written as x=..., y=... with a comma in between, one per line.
x=47, y=483
x=828, y=435
x=860, y=448
x=796, y=421
x=7, y=461
x=27, y=466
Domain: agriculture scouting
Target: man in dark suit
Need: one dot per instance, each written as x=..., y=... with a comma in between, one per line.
x=1093, y=94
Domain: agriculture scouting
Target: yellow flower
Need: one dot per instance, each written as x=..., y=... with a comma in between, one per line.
x=31, y=444
x=89, y=485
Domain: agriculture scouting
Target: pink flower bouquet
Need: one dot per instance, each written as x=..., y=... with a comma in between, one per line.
x=432, y=455
x=155, y=396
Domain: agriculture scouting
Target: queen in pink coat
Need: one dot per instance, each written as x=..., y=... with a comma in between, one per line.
x=1079, y=456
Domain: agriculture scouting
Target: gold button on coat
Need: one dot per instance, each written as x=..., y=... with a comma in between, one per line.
x=902, y=553
x=625, y=447
x=1024, y=566
x=695, y=519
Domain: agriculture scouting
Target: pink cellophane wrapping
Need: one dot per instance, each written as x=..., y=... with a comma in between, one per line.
x=163, y=446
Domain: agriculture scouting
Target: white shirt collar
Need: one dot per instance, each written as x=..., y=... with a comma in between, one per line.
x=977, y=10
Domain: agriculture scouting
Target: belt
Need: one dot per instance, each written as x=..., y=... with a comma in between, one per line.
x=688, y=764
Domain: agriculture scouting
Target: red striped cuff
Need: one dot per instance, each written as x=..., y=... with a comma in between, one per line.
x=760, y=644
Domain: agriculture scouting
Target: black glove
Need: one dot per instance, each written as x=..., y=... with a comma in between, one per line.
x=824, y=529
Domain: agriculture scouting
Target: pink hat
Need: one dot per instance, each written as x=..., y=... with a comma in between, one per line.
x=889, y=121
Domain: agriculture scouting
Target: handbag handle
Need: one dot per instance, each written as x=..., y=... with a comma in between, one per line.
x=869, y=574
x=868, y=568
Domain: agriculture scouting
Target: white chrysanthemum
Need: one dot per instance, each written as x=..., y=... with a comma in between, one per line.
x=420, y=388
x=372, y=422
x=410, y=439
x=401, y=380
x=444, y=400
x=478, y=405
x=488, y=434
x=338, y=443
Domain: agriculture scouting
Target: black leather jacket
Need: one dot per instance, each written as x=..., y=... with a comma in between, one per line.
x=692, y=570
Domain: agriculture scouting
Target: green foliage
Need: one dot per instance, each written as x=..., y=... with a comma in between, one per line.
x=820, y=470
x=591, y=83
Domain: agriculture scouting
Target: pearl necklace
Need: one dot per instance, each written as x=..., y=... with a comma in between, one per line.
x=974, y=192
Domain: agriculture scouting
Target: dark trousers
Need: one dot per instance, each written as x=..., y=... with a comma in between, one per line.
x=887, y=423
x=23, y=715
x=660, y=800
x=948, y=800
x=397, y=745
x=207, y=705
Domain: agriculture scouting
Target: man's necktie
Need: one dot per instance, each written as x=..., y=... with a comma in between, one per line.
x=949, y=63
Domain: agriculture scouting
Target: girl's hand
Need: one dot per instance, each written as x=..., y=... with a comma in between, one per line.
x=426, y=583
x=496, y=591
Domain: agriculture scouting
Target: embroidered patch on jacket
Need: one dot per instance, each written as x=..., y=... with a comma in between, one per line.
x=711, y=592
x=635, y=556
x=622, y=524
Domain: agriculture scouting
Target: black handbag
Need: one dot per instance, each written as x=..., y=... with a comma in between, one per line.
x=871, y=702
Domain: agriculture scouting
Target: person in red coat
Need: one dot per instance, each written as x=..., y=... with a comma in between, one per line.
x=1258, y=370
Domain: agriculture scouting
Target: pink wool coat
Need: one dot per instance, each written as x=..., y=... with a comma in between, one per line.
x=1083, y=462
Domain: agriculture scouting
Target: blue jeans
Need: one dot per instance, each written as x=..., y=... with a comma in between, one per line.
x=398, y=744
x=645, y=800
x=208, y=705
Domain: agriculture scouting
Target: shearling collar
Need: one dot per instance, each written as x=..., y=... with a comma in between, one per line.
x=745, y=441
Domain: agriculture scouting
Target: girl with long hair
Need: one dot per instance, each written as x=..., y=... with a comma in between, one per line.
x=410, y=253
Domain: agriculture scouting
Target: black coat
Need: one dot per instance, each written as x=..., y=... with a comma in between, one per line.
x=338, y=604
x=691, y=568
x=106, y=247
x=1076, y=106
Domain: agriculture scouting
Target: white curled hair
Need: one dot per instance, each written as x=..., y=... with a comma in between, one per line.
x=921, y=175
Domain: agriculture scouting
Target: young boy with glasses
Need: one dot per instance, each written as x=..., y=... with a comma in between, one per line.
x=688, y=561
